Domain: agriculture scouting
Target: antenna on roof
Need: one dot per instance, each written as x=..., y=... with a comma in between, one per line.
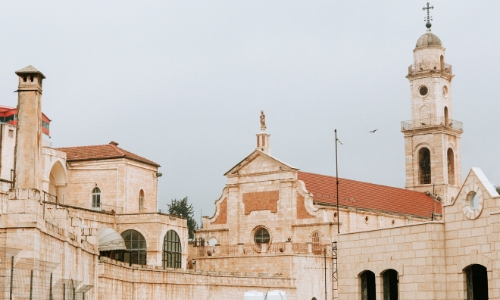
x=337, y=181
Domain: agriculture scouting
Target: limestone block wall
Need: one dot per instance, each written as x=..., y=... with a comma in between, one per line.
x=118, y=281
x=416, y=252
x=472, y=239
x=307, y=270
x=119, y=180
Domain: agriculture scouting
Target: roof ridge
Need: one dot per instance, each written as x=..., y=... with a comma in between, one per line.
x=118, y=149
x=365, y=182
x=86, y=146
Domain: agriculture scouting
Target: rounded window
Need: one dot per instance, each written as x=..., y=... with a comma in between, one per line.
x=261, y=236
x=423, y=90
x=473, y=200
x=445, y=91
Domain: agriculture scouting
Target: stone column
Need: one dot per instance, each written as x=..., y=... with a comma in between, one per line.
x=27, y=162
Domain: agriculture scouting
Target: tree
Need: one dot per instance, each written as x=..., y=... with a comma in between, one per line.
x=182, y=209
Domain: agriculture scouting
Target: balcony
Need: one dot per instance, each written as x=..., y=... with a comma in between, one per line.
x=432, y=122
x=429, y=66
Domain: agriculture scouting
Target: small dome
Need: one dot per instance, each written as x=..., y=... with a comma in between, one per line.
x=428, y=39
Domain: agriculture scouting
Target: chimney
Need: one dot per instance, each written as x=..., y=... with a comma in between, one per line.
x=28, y=151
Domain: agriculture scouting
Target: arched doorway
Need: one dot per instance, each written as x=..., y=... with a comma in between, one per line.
x=136, y=247
x=424, y=166
x=367, y=285
x=391, y=282
x=476, y=278
x=172, y=250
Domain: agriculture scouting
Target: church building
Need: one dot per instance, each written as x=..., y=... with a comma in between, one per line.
x=82, y=222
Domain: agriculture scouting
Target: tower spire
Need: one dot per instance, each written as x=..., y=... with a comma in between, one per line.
x=428, y=19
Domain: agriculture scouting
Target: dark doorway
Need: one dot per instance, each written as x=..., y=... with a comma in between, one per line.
x=367, y=280
x=391, y=282
x=477, y=282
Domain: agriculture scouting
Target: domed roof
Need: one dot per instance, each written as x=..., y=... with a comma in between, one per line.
x=428, y=39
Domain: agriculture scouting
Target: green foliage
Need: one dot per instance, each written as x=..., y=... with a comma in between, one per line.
x=181, y=208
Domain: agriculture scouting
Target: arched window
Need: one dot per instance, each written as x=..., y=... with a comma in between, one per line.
x=141, y=200
x=424, y=166
x=96, y=198
x=446, y=119
x=451, y=167
x=390, y=278
x=172, y=251
x=441, y=62
x=316, y=246
x=476, y=282
x=136, y=247
x=367, y=285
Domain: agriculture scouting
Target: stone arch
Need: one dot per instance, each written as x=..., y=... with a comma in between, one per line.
x=390, y=264
x=441, y=62
x=57, y=178
x=474, y=259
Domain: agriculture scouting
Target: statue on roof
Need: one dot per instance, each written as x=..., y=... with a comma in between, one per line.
x=262, y=120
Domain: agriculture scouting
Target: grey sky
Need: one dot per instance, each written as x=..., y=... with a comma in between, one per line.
x=183, y=82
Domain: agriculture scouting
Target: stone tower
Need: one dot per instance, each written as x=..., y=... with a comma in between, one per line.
x=28, y=162
x=432, y=137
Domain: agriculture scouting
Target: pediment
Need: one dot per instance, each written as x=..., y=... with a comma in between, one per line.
x=258, y=162
x=473, y=193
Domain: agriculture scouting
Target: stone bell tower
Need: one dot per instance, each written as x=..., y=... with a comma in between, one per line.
x=28, y=152
x=432, y=137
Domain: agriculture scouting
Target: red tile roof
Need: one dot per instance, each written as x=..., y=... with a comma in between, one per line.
x=100, y=152
x=369, y=196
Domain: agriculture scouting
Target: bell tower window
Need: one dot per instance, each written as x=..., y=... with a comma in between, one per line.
x=451, y=166
x=424, y=163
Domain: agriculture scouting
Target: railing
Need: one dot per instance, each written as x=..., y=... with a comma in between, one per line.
x=252, y=249
x=426, y=66
x=299, y=248
x=276, y=248
x=432, y=122
x=228, y=249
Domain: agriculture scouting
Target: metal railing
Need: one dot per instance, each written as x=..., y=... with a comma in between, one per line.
x=426, y=66
x=432, y=122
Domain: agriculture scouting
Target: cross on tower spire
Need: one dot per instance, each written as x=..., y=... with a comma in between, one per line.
x=428, y=19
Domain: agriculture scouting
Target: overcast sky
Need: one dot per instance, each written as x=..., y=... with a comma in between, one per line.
x=183, y=82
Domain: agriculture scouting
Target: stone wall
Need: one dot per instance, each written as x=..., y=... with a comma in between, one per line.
x=119, y=281
x=416, y=252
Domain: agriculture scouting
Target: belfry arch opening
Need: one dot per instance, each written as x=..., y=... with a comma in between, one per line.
x=446, y=119
x=424, y=166
x=476, y=282
x=441, y=62
x=451, y=166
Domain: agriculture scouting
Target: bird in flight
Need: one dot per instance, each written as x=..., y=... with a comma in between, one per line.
x=373, y=131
